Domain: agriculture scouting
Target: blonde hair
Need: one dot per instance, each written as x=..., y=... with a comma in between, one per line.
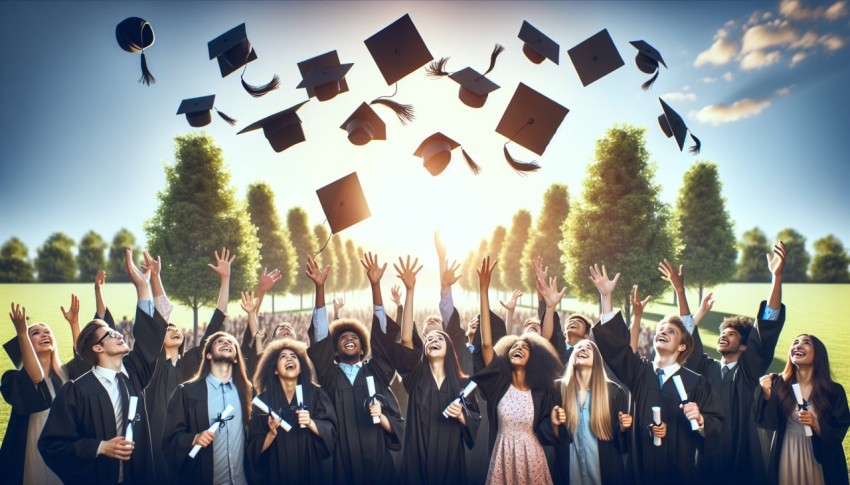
x=600, y=413
x=56, y=367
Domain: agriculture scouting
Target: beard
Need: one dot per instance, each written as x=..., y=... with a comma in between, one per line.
x=221, y=358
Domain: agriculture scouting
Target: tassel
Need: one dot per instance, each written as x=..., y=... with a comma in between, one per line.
x=257, y=91
x=147, y=78
x=697, y=145
x=472, y=165
x=496, y=51
x=645, y=86
x=404, y=112
x=228, y=119
x=437, y=69
x=520, y=167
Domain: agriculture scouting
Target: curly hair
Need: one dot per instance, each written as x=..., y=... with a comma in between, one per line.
x=265, y=377
x=543, y=366
x=339, y=327
x=821, y=396
x=742, y=325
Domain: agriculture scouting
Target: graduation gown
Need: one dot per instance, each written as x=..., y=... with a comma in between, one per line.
x=82, y=416
x=827, y=446
x=166, y=377
x=738, y=458
x=362, y=452
x=294, y=457
x=675, y=460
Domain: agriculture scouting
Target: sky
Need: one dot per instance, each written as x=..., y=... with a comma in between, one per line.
x=762, y=84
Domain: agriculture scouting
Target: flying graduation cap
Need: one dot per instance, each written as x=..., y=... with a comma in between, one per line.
x=233, y=50
x=436, y=153
x=282, y=129
x=324, y=76
x=537, y=46
x=364, y=125
x=531, y=120
x=134, y=35
x=595, y=57
x=647, y=59
x=674, y=126
x=474, y=87
x=343, y=203
x=197, y=111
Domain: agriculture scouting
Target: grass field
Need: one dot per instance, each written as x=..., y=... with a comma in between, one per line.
x=821, y=310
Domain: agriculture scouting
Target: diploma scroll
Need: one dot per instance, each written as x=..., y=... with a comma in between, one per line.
x=683, y=395
x=265, y=408
x=299, y=398
x=370, y=386
x=214, y=427
x=656, y=418
x=802, y=404
x=463, y=394
x=131, y=414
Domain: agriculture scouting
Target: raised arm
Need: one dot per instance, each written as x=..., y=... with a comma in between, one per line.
x=267, y=282
x=551, y=296
x=72, y=316
x=605, y=286
x=249, y=305
x=637, y=313
x=407, y=273
x=704, y=308
x=137, y=277
x=32, y=366
x=776, y=263
x=374, y=273
x=510, y=308
x=677, y=281
x=448, y=277
x=395, y=295
x=484, y=274
x=540, y=271
x=319, y=276
x=222, y=269
x=100, y=306
x=338, y=302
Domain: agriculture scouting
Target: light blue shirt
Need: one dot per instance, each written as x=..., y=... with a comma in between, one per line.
x=229, y=442
x=584, y=450
x=350, y=371
x=447, y=305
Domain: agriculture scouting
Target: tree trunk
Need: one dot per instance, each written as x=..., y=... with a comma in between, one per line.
x=628, y=314
x=675, y=299
x=301, y=305
x=195, y=324
x=272, y=305
x=701, y=286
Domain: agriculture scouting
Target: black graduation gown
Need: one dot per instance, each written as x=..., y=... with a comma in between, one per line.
x=166, y=377
x=675, y=460
x=188, y=415
x=610, y=452
x=827, y=446
x=738, y=458
x=362, y=451
x=294, y=457
x=557, y=339
x=82, y=416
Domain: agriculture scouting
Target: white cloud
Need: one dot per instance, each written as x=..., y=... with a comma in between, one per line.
x=721, y=51
x=765, y=36
x=783, y=91
x=758, y=60
x=717, y=114
x=709, y=80
x=795, y=10
x=807, y=41
x=836, y=11
x=798, y=58
x=831, y=42
x=728, y=76
x=679, y=96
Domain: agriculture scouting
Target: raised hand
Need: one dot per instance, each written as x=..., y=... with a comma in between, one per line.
x=601, y=281
x=704, y=307
x=511, y=304
x=485, y=272
x=669, y=274
x=471, y=328
x=222, y=263
x=395, y=291
x=550, y=292
x=637, y=304
x=99, y=280
x=72, y=315
x=19, y=317
x=151, y=266
x=268, y=280
x=374, y=271
x=776, y=261
x=315, y=273
x=540, y=271
x=448, y=275
x=339, y=302
x=407, y=272
x=136, y=276
x=249, y=303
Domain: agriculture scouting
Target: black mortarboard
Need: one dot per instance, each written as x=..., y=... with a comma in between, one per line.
x=135, y=34
x=364, y=125
x=282, y=129
x=197, y=111
x=647, y=60
x=676, y=127
x=324, y=76
x=398, y=50
x=233, y=50
x=596, y=57
x=531, y=120
x=474, y=87
x=13, y=350
x=343, y=202
x=537, y=45
x=436, y=153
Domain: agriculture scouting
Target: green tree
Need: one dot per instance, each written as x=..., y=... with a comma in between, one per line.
x=91, y=256
x=480, y=254
x=620, y=223
x=364, y=281
x=497, y=245
x=466, y=282
x=753, y=247
x=197, y=214
x=276, y=251
x=122, y=240
x=797, y=259
x=830, y=262
x=340, y=269
x=15, y=265
x=545, y=239
x=510, y=259
x=54, y=261
x=325, y=257
x=705, y=229
x=356, y=274
x=303, y=242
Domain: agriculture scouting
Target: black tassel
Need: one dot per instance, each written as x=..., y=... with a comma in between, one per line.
x=228, y=119
x=472, y=165
x=496, y=51
x=697, y=145
x=437, y=69
x=404, y=112
x=520, y=167
x=257, y=91
x=645, y=86
x=147, y=78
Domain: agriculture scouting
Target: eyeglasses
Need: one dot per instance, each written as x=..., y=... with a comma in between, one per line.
x=108, y=334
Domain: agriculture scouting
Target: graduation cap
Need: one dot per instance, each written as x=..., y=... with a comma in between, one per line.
x=673, y=125
x=197, y=111
x=436, y=153
x=282, y=129
x=233, y=50
x=647, y=60
x=398, y=50
x=324, y=76
x=537, y=46
x=13, y=350
x=531, y=120
x=595, y=57
x=474, y=87
x=364, y=125
x=343, y=202
x=134, y=35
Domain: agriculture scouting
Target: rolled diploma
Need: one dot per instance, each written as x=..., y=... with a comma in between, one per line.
x=131, y=413
x=680, y=388
x=799, y=395
x=299, y=397
x=656, y=418
x=466, y=392
x=264, y=408
x=213, y=428
x=370, y=387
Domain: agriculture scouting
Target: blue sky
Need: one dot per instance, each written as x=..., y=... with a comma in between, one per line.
x=762, y=84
